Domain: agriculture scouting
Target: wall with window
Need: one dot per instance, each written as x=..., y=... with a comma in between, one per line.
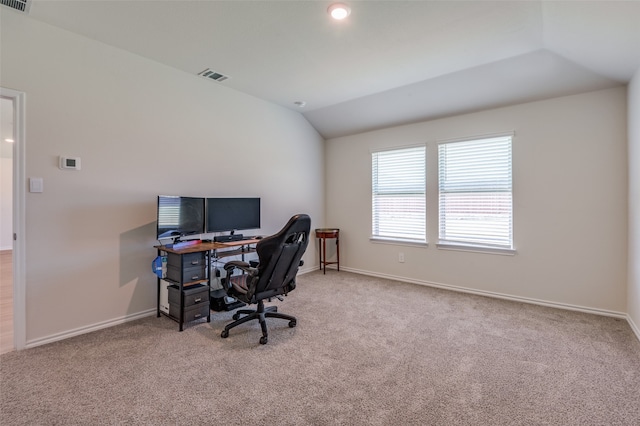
x=141, y=129
x=569, y=203
x=634, y=202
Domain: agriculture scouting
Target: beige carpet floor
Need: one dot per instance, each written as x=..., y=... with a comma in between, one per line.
x=366, y=351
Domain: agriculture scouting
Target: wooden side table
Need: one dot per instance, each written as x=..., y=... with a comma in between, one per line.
x=322, y=234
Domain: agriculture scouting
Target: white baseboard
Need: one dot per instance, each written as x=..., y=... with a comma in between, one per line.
x=633, y=326
x=88, y=329
x=317, y=267
x=109, y=323
x=307, y=269
x=558, y=305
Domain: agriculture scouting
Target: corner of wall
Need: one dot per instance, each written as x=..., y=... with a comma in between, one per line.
x=633, y=277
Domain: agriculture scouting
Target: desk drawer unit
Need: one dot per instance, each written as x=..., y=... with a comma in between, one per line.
x=186, y=268
x=186, y=275
x=192, y=295
x=187, y=260
x=196, y=302
x=191, y=313
x=187, y=298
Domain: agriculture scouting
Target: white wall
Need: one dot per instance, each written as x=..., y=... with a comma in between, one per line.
x=570, y=203
x=634, y=203
x=141, y=129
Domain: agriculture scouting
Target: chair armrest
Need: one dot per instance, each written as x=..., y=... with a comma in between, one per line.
x=244, y=266
x=249, y=279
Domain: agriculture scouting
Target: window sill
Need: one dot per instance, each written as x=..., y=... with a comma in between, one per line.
x=398, y=241
x=476, y=249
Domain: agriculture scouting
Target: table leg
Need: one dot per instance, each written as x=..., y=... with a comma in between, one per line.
x=158, y=299
x=324, y=256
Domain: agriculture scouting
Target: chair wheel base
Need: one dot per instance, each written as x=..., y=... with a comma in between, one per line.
x=261, y=313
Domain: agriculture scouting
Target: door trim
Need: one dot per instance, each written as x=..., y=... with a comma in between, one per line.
x=19, y=227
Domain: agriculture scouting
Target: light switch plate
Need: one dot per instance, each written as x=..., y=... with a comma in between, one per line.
x=36, y=184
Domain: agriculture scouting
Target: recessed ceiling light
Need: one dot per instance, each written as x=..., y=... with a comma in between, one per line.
x=339, y=11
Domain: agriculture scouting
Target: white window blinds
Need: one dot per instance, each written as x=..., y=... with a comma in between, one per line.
x=169, y=211
x=399, y=194
x=475, y=193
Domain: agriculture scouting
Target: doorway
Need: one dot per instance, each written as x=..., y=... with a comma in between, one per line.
x=7, y=141
x=12, y=226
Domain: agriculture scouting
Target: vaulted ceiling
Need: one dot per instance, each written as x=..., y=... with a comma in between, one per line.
x=388, y=63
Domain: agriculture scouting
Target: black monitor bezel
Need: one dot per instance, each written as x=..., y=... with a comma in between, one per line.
x=182, y=230
x=254, y=203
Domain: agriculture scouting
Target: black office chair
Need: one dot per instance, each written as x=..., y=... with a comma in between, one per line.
x=279, y=257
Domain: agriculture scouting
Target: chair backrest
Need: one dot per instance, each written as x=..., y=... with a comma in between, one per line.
x=279, y=257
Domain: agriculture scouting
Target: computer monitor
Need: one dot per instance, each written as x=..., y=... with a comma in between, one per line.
x=232, y=214
x=180, y=216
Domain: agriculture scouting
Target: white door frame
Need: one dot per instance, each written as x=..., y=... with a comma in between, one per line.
x=19, y=237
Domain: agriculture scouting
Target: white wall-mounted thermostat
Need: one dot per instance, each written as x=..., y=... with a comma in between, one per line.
x=69, y=163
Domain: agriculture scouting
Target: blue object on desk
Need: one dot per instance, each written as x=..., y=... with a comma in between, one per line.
x=156, y=266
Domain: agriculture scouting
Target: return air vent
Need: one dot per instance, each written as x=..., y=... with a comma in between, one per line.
x=211, y=74
x=20, y=5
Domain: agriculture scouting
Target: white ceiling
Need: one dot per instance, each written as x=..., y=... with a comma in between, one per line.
x=389, y=63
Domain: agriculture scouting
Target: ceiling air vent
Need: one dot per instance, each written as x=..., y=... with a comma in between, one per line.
x=21, y=5
x=211, y=74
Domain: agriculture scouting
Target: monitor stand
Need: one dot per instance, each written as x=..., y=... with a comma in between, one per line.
x=228, y=238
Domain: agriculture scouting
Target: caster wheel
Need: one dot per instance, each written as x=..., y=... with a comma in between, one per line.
x=263, y=340
x=292, y=323
x=224, y=334
x=236, y=316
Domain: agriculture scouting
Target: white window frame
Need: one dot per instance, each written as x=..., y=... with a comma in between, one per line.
x=476, y=174
x=391, y=193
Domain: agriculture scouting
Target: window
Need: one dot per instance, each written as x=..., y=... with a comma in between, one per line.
x=398, y=194
x=475, y=193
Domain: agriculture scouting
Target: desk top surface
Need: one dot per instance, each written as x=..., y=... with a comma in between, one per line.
x=207, y=246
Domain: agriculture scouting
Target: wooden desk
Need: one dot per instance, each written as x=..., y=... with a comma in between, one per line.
x=208, y=246
x=189, y=270
x=322, y=234
x=217, y=250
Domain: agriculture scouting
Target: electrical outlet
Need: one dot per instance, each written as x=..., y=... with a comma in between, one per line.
x=401, y=257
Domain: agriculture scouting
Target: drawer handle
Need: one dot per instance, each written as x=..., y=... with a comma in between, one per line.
x=198, y=299
x=197, y=315
x=195, y=277
x=194, y=262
